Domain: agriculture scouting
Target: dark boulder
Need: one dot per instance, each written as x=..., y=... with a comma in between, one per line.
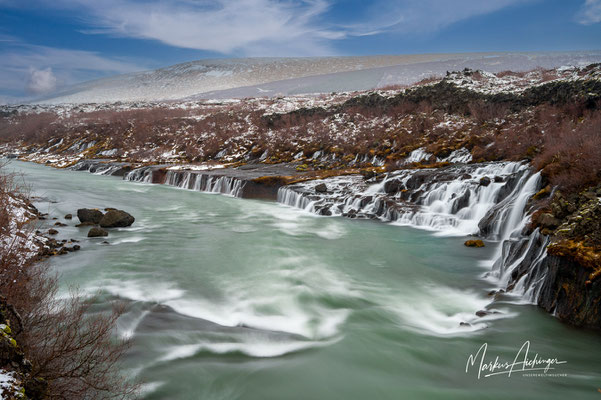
x=321, y=188
x=52, y=231
x=462, y=202
x=89, y=215
x=116, y=219
x=393, y=186
x=485, y=181
x=417, y=179
x=97, y=232
x=69, y=216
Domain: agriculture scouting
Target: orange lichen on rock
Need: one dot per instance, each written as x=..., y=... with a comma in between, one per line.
x=588, y=257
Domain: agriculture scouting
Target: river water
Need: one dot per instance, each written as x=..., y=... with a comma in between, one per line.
x=231, y=298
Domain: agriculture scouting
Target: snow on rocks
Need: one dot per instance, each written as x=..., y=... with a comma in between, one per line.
x=10, y=386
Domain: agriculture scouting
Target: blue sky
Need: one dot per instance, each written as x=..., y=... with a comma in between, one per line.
x=46, y=45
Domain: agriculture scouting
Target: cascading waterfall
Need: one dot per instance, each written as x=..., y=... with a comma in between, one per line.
x=205, y=183
x=107, y=169
x=517, y=263
x=143, y=174
x=98, y=167
x=452, y=201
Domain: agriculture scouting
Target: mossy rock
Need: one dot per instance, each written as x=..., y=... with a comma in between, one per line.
x=474, y=243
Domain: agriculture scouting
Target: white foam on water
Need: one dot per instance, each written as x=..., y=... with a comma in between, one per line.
x=258, y=349
x=127, y=329
x=285, y=296
x=330, y=231
x=284, y=315
x=149, y=387
x=439, y=311
x=133, y=239
x=138, y=290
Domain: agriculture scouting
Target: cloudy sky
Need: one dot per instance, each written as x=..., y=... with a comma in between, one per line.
x=48, y=44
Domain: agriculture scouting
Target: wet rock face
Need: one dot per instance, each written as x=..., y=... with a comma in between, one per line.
x=89, y=215
x=116, y=219
x=569, y=294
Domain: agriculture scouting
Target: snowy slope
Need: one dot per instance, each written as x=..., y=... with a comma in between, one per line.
x=252, y=77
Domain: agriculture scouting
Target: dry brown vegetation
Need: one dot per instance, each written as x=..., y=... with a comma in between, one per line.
x=71, y=349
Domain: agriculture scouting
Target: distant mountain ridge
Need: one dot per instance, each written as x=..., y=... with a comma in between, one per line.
x=258, y=77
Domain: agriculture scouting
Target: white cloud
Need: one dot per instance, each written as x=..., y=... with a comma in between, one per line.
x=270, y=27
x=590, y=12
x=246, y=27
x=41, y=81
x=37, y=69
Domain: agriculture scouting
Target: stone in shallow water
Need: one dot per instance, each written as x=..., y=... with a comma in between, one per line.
x=116, y=219
x=474, y=243
x=89, y=215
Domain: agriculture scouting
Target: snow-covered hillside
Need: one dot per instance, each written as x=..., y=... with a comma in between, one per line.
x=258, y=77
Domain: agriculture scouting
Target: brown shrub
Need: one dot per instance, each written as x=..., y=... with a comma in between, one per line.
x=70, y=347
x=571, y=156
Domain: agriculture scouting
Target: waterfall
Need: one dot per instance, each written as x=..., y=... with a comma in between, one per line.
x=108, y=169
x=205, y=183
x=516, y=220
x=143, y=174
x=450, y=200
x=98, y=167
x=511, y=222
x=417, y=156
